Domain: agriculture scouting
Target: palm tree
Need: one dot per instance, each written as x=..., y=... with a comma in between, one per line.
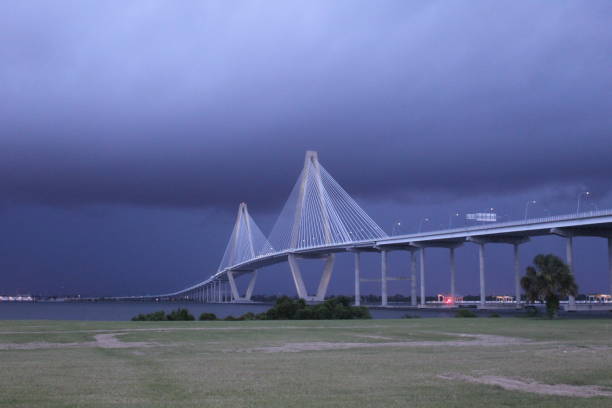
x=549, y=280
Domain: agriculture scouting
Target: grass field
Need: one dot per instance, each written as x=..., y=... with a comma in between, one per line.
x=481, y=362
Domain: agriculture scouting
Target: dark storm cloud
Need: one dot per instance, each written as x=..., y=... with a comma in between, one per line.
x=211, y=103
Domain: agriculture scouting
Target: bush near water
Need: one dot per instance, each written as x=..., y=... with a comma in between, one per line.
x=175, y=315
x=285, y=308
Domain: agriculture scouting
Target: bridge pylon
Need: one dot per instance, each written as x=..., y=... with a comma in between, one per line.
x=319, y=213
x=246, y=243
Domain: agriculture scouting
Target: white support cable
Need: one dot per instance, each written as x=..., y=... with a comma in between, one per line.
x=246, y=242
x=320, y=212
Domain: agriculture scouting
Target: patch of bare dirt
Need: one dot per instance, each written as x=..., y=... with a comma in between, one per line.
x=209, y=328
x=373, y=336
x=512, y=384
x=480, y=340
x=107, y=340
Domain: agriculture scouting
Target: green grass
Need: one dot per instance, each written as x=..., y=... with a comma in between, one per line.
x=210, y=368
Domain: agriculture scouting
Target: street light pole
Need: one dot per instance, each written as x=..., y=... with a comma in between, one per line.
x=584, y=193
x=421, y=223
x=450, y=219
x=397, y=225
x=527, y=207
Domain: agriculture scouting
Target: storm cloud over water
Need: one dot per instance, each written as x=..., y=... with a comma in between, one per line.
x=206, y=103
x=199, y=105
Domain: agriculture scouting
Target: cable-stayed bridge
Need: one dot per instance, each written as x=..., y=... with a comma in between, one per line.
x=320, y=219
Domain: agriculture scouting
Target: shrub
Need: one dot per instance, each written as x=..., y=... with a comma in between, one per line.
x=333, y=308
x=180, y=314
x=285, y=308
x=150, y=317
x=494, y=315
x=407, y=316
x=464, y=313
x=208, y=316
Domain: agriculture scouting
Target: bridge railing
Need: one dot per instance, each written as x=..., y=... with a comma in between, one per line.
x=514, y=223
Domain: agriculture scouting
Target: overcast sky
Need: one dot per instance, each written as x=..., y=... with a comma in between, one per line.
x=131, y=131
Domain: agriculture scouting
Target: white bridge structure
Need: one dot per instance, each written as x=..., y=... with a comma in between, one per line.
x=320, y=220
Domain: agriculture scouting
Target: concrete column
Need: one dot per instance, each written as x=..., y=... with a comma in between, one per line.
x=249, y=291
x=383, y=278
x=569, y=256
x=357, y=279
x=481, y=256
x=610, y=263
x=453, y=269
x=300, y=287
x=517, y=276
x=325, y=277
x=422, y=253
x=220, y=299
x=233, y=287
x=413, y=279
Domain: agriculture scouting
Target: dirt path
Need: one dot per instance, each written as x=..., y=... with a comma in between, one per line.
x=511, y=384
x=167, y=329
x=479, y=340
x=107, y=341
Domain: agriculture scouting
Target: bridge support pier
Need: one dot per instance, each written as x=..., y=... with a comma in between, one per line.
x=481, y=262
x=422, y=277
x=383, y=278
x=569, y=256
x=357, y=279
x=413, y=278
x=453, y=268
x=296, y=273
x=249, y=291
x=569, y=234
x=517, y=275
x=233, y=287
x=300, y=287
x=514, y=240
x=235, y=295
x=610, y=263
x=420, y=246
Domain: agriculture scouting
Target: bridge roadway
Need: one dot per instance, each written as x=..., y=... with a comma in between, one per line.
x=594, y=223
